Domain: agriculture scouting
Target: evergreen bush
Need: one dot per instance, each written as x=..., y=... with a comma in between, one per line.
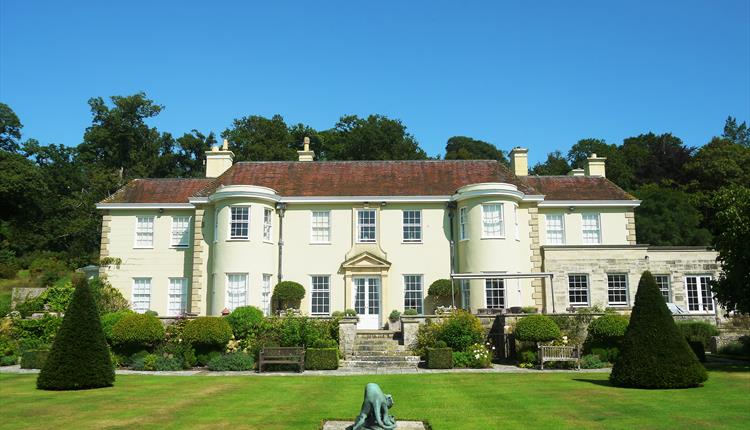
x=109, y=320
x=233, y=361
x=288, y=294
x=79, y=358
x=537, y=328
x=322, y=358
x=654, y=353
x=207, y=334
x=461, y=330
x=441, y=290
x=699, y=331
x=245, y=320
x=34, y=358
x=439, y=358
x=137, y=331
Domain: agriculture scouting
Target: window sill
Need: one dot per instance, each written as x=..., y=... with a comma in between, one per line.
x=143, y=247
x=373, y=242
x=268, y=242
x=238, y=240
x=411, y=242
x=493, y=238
x=618, y=305
x=579, y=305
x=463, y=240
x=320, y=243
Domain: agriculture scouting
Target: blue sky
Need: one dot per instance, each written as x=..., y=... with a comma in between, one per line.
x=535, y=74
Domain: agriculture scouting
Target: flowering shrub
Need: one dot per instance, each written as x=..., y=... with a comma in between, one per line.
x=476, y=356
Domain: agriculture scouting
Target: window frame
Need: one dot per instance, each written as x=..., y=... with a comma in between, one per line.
x=463, y=223
x=405, y=225
x=313, y=227
x=413, y=299
x=618, y=290
x=265, y=293
x=228, y=281
x=267, y=224
x=502, y=296
x=374, y=226
x=321, y=294
x=587, y=290
x=134, y=293
x=700, y=294
x=501, y=221
x=465, y=287
x=668, y=297
x=584, y=229
x=183, y=296
x=187, y=231
x=515, y=223
x=138, y=231
x=547, y=229
x=230, y=237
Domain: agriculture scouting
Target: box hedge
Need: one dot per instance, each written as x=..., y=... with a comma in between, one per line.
x=233, y=362
x=135, y=331
x=34, y=358
x=537, y=328
x=207, y=333
x=322, y=358
x=439, y=358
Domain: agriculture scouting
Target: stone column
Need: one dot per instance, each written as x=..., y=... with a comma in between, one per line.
x=347, y=335
x=198, y=285
x=630, y=219
x=536, y=258
x=410, y=328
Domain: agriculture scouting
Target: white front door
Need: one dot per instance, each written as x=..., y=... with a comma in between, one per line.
x=367, y=302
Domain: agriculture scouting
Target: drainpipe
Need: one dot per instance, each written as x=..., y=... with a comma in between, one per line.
x=451, y=206
x=281, y=208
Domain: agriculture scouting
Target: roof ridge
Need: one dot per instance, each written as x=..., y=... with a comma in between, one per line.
x=362, y=161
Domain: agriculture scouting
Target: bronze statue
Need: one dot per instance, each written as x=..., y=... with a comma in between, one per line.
x=374, y=413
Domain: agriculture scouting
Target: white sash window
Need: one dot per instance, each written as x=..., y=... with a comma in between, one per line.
x=492, y=221
x=141, y=297
x=180, y=231
x=177, y=296
x=144, y=232
x=236, y=290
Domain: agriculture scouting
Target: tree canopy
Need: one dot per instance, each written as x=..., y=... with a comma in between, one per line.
x=466, y=148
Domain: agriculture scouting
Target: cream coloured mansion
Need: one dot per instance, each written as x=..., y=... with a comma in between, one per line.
x=373, y=235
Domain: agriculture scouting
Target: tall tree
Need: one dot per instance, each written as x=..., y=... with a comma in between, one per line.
x=373, y=138
x=10, y=129
x=466, y=148
x=618, y=171
x=120, y=139
x=256, y=138
x=666, y=217
x=732, y=289
x=555, y=164
x=736, y=133
x=191, y=152
x=654, y=158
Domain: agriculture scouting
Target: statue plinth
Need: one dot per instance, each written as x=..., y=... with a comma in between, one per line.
x=402, y=425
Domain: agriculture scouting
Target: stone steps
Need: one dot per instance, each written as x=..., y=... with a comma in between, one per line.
x=378, y=349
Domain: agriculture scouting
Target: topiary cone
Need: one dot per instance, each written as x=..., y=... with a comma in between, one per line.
x=79, y=358
x=654, y=354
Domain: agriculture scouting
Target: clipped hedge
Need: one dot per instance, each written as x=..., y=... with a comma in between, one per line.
x=537, y=328
x=137, y=331
x=232, y=362
x=322, y=358
x=245, y=320
x=608, y=328
x=34, y=358
x=439, y=358
x=288, y=294
x=207, y=333
x=109, y=320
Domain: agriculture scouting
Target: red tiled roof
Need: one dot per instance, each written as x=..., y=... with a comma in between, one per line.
x=158, y=191
x=577, y=188
x=366, y=178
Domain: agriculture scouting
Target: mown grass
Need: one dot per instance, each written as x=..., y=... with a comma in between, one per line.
x=447, y=401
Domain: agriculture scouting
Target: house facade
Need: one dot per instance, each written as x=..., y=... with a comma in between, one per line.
x=373, y=235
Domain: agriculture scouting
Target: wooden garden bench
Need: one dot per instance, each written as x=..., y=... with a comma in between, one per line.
x=282, y=355
x=560, y=353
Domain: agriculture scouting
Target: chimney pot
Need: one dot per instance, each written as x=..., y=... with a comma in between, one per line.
x=225, y=147
x=306, y=154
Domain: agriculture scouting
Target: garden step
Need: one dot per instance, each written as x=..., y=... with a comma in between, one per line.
x=380, y=352
x=379, y=364
x=386, y=358
x=370, y=347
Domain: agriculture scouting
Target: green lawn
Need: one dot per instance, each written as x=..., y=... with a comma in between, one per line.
x=447, y=401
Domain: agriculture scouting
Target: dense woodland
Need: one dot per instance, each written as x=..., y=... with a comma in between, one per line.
x=691, y=195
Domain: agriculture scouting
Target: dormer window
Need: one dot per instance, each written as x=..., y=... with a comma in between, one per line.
x=366, y=225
